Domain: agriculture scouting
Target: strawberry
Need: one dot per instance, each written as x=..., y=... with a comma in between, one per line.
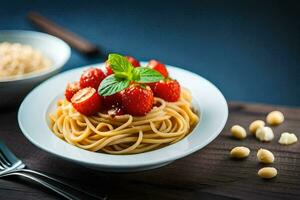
x=108, y=69
x=133, y=61
x=161, y=68
x=87, y=101
x=152, y=85
x=111, y=101
x=71, y=89
x=137, y=100
x=168, y=90
x=92, y=78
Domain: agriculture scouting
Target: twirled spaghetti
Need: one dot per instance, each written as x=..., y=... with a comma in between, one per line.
x=167, y=123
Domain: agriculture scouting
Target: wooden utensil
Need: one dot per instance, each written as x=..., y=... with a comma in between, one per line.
x=82, y=45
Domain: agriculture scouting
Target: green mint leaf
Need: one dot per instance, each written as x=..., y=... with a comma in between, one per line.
x=147, y=75
x=136, y=74
x=111, y=85
x=119, y=64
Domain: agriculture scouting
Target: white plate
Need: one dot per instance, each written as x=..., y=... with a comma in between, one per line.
x=33, y=121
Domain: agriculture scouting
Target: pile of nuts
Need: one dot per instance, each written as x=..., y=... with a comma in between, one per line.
x=265, y=134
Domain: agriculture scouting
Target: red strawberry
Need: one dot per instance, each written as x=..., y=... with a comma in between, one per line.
x=152, y=85
x=111, y=101
x=71, y=89
x=168, y=90
x=133, y=61
x=161, y=68
x=91, y=78
x=87, y=101
x=137, y=100
x=108, y=69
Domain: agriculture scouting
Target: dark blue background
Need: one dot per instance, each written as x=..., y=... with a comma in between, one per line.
x=249, y=49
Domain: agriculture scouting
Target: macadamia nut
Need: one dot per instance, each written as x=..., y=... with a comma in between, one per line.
x=240, y=152
x=238, y=132
x=275, y=118
x=256, y=125
x=267, y=172
x=265, y=156
x=264, y=134
x=287, y=138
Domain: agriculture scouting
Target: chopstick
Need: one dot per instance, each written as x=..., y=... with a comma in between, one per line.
x=82, y=45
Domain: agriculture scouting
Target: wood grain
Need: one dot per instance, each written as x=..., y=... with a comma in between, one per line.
x=206, y=174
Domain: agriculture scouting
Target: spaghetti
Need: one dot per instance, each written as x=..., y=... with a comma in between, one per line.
x=166, y=123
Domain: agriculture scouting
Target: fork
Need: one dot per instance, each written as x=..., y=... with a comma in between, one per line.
x=10, y=165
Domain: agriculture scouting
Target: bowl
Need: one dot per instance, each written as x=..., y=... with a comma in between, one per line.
x=13, y=89
x=34, y=123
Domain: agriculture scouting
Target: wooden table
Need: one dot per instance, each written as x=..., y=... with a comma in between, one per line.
x=206, y=174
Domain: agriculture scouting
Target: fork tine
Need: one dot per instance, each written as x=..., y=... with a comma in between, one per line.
x=4, y=160
x=1, y=166
x=8, y=155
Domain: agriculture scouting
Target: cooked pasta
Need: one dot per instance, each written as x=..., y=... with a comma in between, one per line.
x=166, y=123
x=17, y=59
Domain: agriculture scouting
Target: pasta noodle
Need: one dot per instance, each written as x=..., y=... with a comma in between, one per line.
x=17, y=59
x=166, y=123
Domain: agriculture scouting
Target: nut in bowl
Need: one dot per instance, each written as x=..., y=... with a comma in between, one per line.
x=133, y=140
x=27, y=58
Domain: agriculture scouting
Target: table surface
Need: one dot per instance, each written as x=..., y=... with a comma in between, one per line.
x=206, y=174
x=249, y=49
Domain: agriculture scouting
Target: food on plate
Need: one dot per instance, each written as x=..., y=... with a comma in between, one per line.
x=167, y=89
x=264, y=134
x=92, y=78
x=275, y=118
x=137, y=100
x=86, y=101
x=256, y=125
x=267, y=172
x=238, y=132
x=161, y=68
x=134, y=62
x=124, y=108
x=71, y=89
x=240, y=152
x=287, y=138
x=265, y=156
x=17, y=59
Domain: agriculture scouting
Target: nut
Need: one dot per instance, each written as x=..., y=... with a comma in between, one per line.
x=287, y=138
x=255, y=125
x=265, y=156
x=264, y=134
x=238, y=132
x=267, y=172
x=240, y=152
x=275, y=118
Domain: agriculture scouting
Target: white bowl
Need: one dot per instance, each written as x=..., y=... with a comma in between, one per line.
x=14, y=89
x=207, y=99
